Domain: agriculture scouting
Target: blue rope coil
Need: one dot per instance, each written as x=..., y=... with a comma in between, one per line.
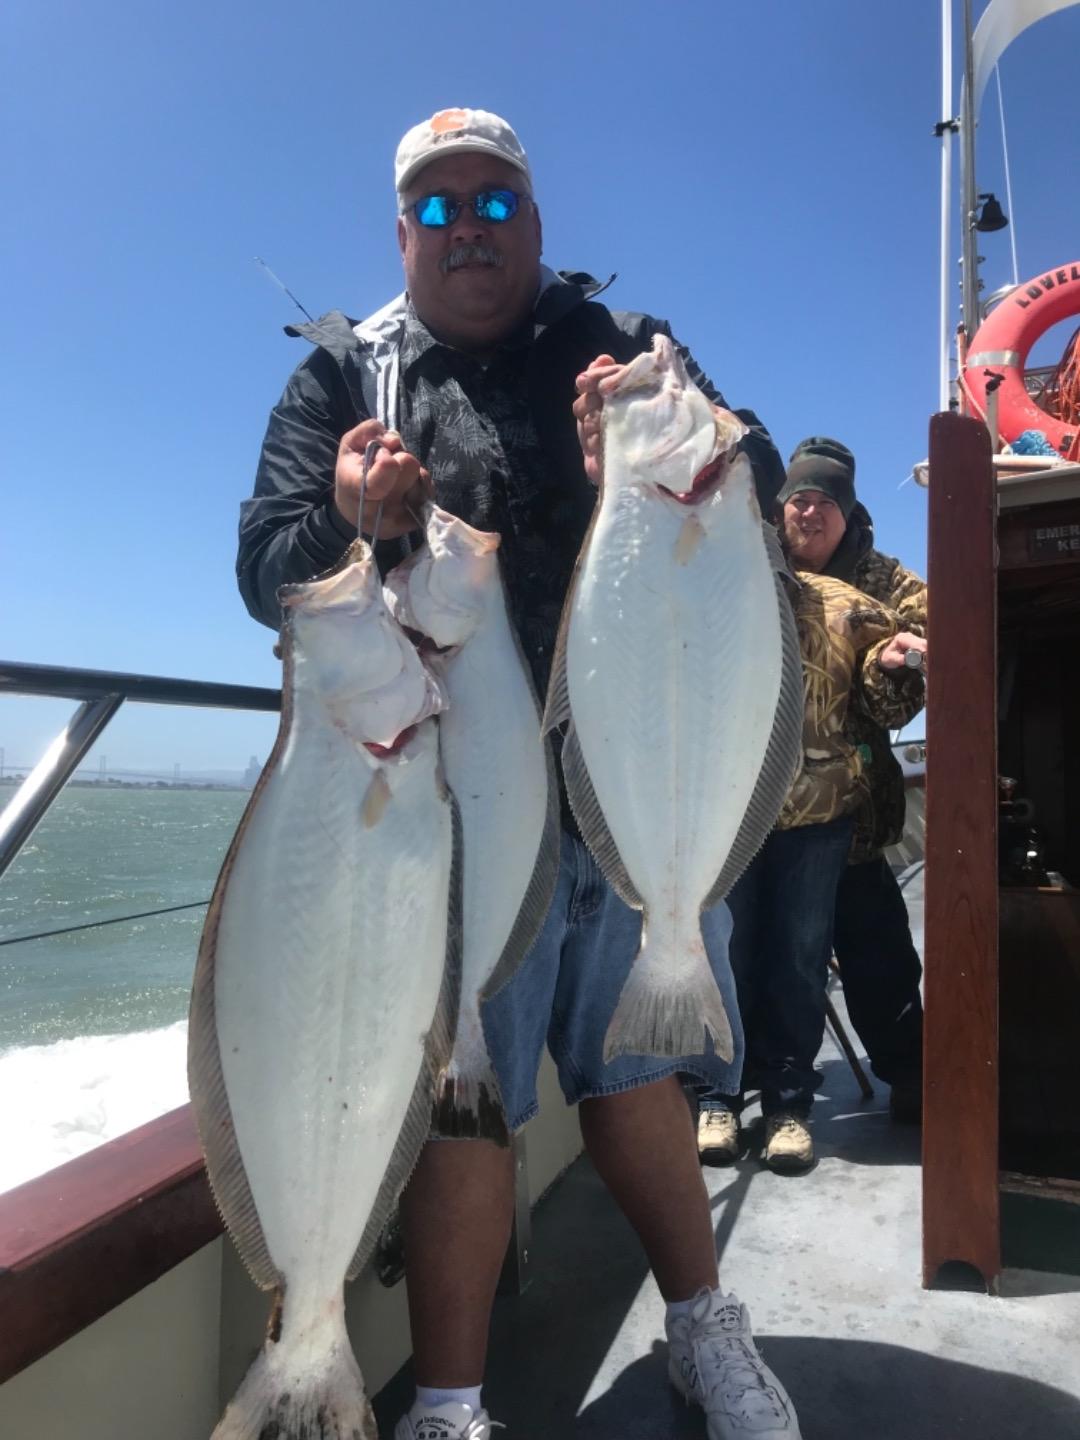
x=1032, y=442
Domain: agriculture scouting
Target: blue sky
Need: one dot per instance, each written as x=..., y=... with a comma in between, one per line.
x=763, y=174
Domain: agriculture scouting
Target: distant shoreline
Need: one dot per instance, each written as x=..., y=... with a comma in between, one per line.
x=14, y=781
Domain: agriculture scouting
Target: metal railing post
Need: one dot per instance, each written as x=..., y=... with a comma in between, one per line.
x=102, y=692
x=28, y=805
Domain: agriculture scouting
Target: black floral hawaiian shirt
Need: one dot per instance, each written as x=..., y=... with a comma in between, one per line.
x=469, y=422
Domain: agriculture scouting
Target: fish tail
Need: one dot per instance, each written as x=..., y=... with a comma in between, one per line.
x=470, y=1107
x=668, y=1017
x=279, y=1401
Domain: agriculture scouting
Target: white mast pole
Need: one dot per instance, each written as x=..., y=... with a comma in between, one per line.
x=967, y=184
x=945, y=328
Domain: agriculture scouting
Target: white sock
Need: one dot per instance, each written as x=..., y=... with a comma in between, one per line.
x=430, y=1397
x=680, y=1309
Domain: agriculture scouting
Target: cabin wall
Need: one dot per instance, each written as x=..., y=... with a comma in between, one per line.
x=147, y=1368
x=553, y=1138
x=1039, y=718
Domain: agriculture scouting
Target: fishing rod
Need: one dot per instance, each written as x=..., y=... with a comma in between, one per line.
x=282, y=286
x=373, y=448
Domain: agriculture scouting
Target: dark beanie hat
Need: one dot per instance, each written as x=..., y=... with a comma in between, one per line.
x=829, y=448
x=819, y=463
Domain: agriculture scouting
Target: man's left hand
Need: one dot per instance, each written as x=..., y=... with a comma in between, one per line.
x=592, y=385
x=892, y=657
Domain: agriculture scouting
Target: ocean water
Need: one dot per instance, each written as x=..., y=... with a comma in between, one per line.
x=93, y=1024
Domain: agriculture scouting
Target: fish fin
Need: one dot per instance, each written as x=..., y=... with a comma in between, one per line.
x=537, y=900
x=328, y=1404
x=469, y=1107
x=411, y=1138
x=591, y=822
x=557, y=705
x=784, y=752
x=206, y=1080
x=557, y=708
x=672, y=1019
x=438, y=1047
x=213, y=1115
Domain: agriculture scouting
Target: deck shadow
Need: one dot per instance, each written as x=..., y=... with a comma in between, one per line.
x=844, y=1125
x=579, y=1355
x=856, y=1130
x=1018, y=1284
x=547, y=1346
x=844, y=1390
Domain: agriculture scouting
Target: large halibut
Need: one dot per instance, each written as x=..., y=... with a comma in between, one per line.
x=679, y=680
x=502, y=776
x=323, y=999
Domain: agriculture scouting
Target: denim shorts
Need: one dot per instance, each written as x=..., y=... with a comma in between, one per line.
x=566, y=990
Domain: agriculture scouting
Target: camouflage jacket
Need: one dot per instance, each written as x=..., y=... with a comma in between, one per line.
x=841, y=635
x=879, y=821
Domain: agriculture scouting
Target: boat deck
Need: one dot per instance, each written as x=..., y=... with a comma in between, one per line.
x=829, y=1265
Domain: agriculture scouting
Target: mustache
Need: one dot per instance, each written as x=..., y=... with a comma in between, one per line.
x=471, y=255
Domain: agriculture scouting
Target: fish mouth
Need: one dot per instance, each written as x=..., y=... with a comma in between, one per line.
x=424, y=645
x=396, y=746
x=729, y=433
x=705, y=482
x=701, y=485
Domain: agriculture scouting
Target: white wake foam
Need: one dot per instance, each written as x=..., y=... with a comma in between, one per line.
x=64, y=1099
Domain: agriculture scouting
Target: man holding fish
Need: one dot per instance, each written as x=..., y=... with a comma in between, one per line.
x=469, y=383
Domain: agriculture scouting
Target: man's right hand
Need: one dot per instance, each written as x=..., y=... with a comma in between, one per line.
x=396, y=479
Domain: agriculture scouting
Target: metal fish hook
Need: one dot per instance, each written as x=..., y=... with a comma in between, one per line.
x=370, y=451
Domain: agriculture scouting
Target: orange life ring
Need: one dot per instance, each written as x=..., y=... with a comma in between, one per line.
x=1002, y=343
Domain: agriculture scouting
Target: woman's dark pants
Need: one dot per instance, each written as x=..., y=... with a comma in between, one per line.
x=880, y=968
x=783, y=910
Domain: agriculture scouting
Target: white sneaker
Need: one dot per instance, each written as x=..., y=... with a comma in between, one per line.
x=450, y=1421
x=714, y=1362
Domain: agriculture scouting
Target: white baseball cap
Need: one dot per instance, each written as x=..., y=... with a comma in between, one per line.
x=453, y=132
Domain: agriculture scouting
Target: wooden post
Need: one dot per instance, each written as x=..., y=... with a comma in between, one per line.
x=960, y=1115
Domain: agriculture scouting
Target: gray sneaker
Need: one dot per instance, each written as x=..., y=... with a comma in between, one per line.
x=714, y=1363
x=444, y=1422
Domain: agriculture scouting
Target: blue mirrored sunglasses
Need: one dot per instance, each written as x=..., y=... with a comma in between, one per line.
x=493, y=206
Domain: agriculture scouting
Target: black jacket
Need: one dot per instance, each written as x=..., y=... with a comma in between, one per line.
x=291, y=530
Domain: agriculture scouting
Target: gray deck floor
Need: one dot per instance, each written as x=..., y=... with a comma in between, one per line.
x=829, y=1266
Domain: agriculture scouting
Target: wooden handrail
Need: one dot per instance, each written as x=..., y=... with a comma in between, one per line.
x=78, y=1241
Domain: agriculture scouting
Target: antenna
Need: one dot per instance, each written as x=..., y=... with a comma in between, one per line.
x=281, y=286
